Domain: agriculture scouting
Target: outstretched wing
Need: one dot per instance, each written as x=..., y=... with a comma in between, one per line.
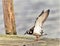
x=30, y=31
x=39, y=15
x=42, y=18
x=39, y=20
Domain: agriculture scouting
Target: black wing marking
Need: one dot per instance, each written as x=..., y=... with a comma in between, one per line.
x=30, y=31
x=42, y=18
x=39, y=15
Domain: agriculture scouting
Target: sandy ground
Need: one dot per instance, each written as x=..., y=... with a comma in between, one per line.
x=27, y=41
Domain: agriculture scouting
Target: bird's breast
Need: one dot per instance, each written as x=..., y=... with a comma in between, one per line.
x=37, y=30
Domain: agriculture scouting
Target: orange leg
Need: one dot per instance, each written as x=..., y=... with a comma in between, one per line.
x=37, y=38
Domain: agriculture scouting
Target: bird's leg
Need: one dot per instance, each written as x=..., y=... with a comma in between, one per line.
x=37, y=38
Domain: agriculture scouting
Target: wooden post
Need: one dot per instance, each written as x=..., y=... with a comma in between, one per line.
x=9, y=18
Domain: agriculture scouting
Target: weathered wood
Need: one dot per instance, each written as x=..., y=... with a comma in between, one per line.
x=14, y=40
x=9, y=18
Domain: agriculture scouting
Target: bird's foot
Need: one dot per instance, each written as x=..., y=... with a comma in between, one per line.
x=37, y=38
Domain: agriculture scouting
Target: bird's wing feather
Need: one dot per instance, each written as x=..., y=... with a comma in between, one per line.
x=42, y=18
x=39, y=15
x=36, y=20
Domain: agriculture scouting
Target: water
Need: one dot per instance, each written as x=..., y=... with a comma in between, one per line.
x=26, y=12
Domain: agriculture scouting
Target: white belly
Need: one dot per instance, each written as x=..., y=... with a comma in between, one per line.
x=37, y=30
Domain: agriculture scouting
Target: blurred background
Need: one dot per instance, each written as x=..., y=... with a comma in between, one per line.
x=26, y=12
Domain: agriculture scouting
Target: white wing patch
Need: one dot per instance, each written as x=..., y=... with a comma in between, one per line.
x=37, y=29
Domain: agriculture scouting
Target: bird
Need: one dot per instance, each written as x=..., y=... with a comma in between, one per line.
x=37, y=28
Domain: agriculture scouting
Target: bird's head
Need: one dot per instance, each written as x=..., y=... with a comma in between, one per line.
x=29, y=32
